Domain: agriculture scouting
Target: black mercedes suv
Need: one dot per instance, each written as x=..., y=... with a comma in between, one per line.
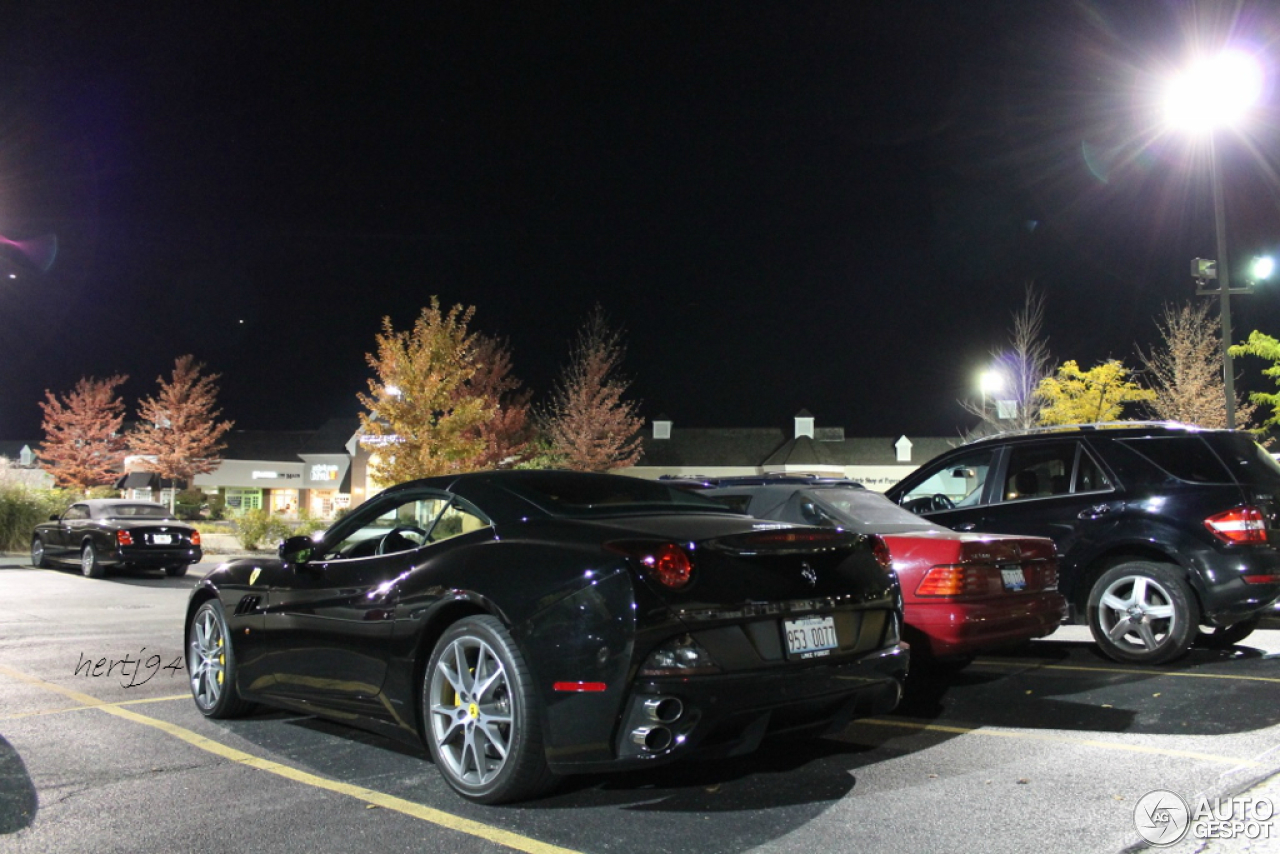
x=1161, y=528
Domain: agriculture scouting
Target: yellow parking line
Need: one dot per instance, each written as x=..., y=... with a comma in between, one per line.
x=1036, y=664
x=369, y=796
x=97, y=705
x=1038, y=736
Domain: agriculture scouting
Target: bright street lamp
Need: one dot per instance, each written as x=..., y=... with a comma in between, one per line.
x=1212, y=94
x=989, y=382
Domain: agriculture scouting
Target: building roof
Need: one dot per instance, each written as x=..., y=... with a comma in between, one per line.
x=267, y=445
x=332, y=437
x=12, y=449
x=771, y=447
x=734, y=446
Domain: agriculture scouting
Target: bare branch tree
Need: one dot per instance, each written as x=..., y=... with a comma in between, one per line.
x=1185, y=370
x=1021, y=367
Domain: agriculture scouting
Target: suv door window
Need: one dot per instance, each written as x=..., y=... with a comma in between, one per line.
x=1185, y=457
x=959, y=483
x=1047, y=469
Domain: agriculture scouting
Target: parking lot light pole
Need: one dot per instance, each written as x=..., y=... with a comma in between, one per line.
x=1224, y=283
x=1214, y=93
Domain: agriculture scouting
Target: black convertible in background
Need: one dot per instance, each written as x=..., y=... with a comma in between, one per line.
x=532, y=624
x=104, y=532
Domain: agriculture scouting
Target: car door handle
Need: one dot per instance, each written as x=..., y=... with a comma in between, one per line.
x=964, y=526
x=1094, y=512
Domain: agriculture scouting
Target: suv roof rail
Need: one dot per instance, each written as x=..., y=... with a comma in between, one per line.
x=1092, y=425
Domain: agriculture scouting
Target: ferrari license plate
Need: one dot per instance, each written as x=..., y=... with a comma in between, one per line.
x=1013, y=579
x=162, y=539
x=810, y=637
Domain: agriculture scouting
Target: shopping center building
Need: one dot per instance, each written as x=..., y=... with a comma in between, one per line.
x=320, y=472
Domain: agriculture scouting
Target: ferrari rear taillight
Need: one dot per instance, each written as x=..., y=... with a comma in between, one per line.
x=666, y=563
x=880, y=549
x=1239, y=525
x=960, y=580
x=124, y=538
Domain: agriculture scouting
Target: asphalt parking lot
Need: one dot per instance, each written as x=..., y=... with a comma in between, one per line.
x=1050, y=748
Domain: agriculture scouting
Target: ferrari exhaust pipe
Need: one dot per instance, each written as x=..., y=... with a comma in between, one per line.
x=652, y=738
x=664, y=710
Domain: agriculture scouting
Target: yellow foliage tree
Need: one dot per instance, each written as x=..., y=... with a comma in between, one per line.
x=1081, y=397
x=423, y=419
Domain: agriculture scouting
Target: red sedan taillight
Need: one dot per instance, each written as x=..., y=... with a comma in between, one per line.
x=124, y=538
x=195, y=538
x=1239, y=525
x=959, y=580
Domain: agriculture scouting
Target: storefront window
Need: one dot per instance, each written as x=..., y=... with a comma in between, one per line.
x=240, y=500
x=284, y=502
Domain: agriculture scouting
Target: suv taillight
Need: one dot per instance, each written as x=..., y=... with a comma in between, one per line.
x=1239, y=525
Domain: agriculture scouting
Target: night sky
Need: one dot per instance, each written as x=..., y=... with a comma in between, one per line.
x=828, y=205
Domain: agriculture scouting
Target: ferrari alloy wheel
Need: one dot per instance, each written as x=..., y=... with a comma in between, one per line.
x=38, y=559
x=211, y=663
x=482, y=718
x=90, y=566
x=1142, y=612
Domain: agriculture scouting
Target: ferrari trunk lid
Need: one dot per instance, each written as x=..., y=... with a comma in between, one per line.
x=827, y=567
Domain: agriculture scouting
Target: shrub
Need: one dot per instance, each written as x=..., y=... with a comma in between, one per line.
x=22, y=508
x=217, y=507
x=308, y=524
x=189, y=503
x=254, y=527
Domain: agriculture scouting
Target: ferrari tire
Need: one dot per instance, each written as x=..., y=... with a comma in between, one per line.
x=176, y=570
x=90, y=565
x=1225, y=637
x=38, y=558
x=482, y=718
x=1143, y=612
x=211, y=664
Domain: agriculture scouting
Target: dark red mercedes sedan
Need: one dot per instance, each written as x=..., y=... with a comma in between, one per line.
x=963, y=593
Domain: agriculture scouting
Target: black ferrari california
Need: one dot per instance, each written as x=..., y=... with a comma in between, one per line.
x=532, y=624
x=106, y=532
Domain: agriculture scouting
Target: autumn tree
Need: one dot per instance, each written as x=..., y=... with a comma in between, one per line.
x=1264, y=347
x=1185, y=369
x=178, y=434
x=1074, y=396
x=589, y=425
x=423, y=418
x=1021, y=367
x=82, y=445
x=507, y=432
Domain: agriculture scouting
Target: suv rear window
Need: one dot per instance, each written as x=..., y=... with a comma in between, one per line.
x=1249, y=461
x=1184, y=457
